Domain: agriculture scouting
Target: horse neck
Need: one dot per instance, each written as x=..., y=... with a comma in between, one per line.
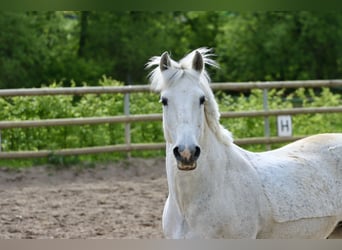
x=218, y=154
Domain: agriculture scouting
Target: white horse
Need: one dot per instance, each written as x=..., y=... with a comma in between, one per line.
x=219, y=190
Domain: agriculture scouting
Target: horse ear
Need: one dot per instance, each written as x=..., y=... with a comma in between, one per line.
x=197, y=62
x=165, y=61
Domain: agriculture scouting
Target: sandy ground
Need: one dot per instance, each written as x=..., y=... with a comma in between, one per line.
x=119, y=200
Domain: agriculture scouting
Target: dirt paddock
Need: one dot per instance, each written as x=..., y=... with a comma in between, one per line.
x=120, y=200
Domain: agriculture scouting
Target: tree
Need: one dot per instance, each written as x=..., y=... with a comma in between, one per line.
x=83, y=32
x=20, y=53
x=35, y=48
x=280, y=46
x=122, y=42
x=42, y=47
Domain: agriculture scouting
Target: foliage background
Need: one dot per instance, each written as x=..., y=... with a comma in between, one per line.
x=94, y=48
x=81, y=46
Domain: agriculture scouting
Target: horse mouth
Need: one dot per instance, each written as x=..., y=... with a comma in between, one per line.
x=186, y=166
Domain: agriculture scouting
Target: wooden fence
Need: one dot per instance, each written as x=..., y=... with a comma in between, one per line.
x=127, y=119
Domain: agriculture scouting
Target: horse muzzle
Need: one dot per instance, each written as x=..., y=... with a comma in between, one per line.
x=186, y=156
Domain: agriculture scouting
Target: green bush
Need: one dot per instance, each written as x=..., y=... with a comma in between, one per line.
x=304, y=124
x=58, y=137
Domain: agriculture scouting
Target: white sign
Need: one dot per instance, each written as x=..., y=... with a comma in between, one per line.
x=284, y=125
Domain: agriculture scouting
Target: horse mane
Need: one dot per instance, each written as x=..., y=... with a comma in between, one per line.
x=160, y=80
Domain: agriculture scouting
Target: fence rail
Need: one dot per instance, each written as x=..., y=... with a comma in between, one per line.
x=130, y=148
x=233, y=86
x=156, y=117
x=127, y=118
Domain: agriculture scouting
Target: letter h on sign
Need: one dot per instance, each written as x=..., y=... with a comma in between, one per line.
x=284, y=125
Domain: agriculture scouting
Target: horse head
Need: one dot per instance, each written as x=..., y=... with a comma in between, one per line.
x=188, y=103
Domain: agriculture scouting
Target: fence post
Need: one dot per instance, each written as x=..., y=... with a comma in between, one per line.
x=266, y=120
x=127, y=124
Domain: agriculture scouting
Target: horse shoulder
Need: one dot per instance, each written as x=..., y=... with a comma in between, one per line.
x=249, y=184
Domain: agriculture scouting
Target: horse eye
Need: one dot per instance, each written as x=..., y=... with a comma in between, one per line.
x=202, y=100
x=163, y=100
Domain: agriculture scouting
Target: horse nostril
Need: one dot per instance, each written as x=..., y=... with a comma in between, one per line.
x=176, y=153
x=197, y=152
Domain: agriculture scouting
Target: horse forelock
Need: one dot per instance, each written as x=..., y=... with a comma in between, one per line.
x=160, y=80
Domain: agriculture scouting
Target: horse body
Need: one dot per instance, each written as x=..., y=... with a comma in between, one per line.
x=219, y=190
x=302, y=182
x=277, y=194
